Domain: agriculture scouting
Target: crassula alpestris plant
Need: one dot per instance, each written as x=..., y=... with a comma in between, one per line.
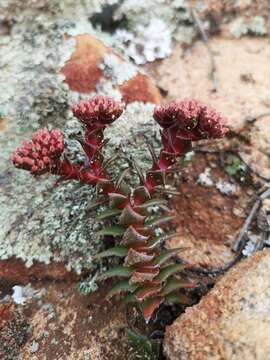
x=147, y=273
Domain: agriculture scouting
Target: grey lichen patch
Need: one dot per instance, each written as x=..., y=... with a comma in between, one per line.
x=117, y=70
x=137, y=119
x=255, y=26
x=40, y=221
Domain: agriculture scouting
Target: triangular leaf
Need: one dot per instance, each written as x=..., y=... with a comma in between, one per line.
x=112, y=230
x=169, y=270
x=121, y=286
x=178, y=298
x=95, y=204
x=173, y=284
x=156, y=241
x=129, y=298
x=129, y=216
x=160, y=221
x=134, y=257
x=131, y=235
x=149, y=306
x=119, y=270
x=165, y=255
x=146, y=291
x=121, y=178
x=141, y=194
x=118, y=250
x=138, y=170
x=144, y=274
x=117, y=200
x=153, y=202
x=108, y=213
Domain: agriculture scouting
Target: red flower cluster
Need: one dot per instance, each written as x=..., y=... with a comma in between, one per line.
x=100, y=111
x=42, y=153
x=182, y=122
x=191, y=120
x=96, y=114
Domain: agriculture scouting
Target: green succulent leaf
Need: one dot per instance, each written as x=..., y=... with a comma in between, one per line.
x=153, y=243
x=112, y=230
x=160, y=221
x=119, y=270
x=108, y=213
x=173, y=284
x=121, y=177
x=147, y=291
x=178, y=298
x=166, y=255
x=129, y=298
x=121, y=286
x=168, y=271
x=118, y=250
x=153, y=202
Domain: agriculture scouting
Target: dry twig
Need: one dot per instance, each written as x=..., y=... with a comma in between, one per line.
x=213, y=72
x=240, y=240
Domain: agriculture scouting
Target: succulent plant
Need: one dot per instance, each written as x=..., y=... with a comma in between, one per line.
x=148, y=273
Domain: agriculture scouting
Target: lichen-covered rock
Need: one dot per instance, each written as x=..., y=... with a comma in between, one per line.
x=255, y=26
x=41, y=221
x=93, y=63
x=232, y=322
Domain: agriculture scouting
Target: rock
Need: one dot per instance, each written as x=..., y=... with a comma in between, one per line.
x=140, y=88
x=67, y=325
x=81, y=70
x=92, y=62
x=14, y=271
x=232, y=322
x=205, y=218
x=256, y=154
x=13, y=331
x=242, y=75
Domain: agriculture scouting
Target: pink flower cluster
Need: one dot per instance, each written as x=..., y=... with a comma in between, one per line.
x=42, y=153
x=99, y=111
x=191, y=120
x=182, y=122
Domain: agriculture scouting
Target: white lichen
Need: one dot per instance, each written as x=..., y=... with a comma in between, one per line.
x=116, y=69
x=22, y=294
x=254, y=26
x=225, y=187
x=205, y=179
x=146, y=43
x=250, y=246
x=176, y=16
